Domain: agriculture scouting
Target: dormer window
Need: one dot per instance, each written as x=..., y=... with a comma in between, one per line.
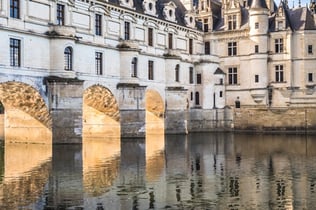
x=169, y=11
x=189, y=20
x=149, y=7
x=127, y=3
x=232, y=22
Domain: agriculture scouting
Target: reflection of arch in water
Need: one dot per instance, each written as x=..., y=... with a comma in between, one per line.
x=101, y=118
x=26, y=116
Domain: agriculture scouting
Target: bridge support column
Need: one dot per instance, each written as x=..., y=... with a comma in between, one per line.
x=65, y=105
x=177, y=115
x=132, y=109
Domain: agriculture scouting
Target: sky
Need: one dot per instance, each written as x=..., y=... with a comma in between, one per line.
x=295, y=2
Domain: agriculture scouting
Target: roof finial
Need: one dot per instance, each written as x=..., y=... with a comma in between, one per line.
x=299, y=3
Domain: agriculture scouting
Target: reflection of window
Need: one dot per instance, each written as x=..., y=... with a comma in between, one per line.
x=232, y=48
x=15, y=8
x=134, y=67
x=150, y=70
x=68, y=59
x=15, y=52
x=191, y=75
x=278, y=43
x=98, y=63
x=98, y=24
x=60, y=14
x=279, y=74
x=232, y=76
x=234, y=186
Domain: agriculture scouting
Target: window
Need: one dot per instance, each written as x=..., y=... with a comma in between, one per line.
x=232, y=22
x=1, y=108
x=68, y=59
x=170, y=39
x=98, y=63
x=280, y=25
x=256, y=48
x=60, y=14
x=256, y=25
x=256, y=78
x=15, y=52
x=310, y=77
x=15, y=8
x=205, y=25
x=177, y=69
x=198, y=78
x=190, y=46
x=191, y=75
x=310, y=49
x=232, y=76
x=134, y=67
x=126, y=30
x=98, y=24
x=279, y=74
x=220, y=94
x=207, y=50
x=197, y=98
x=150, y=36
x=150, y=70
x=278, y=45
x=191, y=96
x=232, y=48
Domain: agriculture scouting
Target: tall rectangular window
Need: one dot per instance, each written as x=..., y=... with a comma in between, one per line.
x=205, y=25
x=150, y=70
x=207, y=50
x=279, y=73
x=232, y=22
x=256, y=48
x=98, y=24
x=310, y=49
x=310, y=77
x=15, y=8
x=191, y=75
x=198, y=78
x=177, y=73
x=60, y=16
x=127, y=30
x=232, y=48
x=150, y=37
x=170, y=40
x=278, y=43
x=134, y=67
x=98, y=63
x=256, y=78
x=232, y=76
x=190, y=46
x=15, y=52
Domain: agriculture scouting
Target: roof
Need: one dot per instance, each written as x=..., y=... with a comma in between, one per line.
x=219, y=71
x=258, y=4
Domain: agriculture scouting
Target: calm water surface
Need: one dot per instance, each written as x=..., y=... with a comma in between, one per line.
x=198, y=171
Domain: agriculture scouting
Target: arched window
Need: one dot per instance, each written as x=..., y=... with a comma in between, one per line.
x=1, y=108
x=197, y=98
x=134, y=67
x=68, y=59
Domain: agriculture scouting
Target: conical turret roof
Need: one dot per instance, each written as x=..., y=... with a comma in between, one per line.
x=258, y=4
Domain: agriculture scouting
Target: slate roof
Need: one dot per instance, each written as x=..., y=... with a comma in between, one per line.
x=258, y=4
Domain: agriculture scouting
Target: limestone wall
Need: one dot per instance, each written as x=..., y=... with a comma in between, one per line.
x=292, y=119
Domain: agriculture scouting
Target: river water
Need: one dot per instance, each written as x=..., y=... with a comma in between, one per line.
x=196, y=171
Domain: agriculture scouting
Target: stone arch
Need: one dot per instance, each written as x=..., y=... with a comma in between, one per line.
x=155, y=109
x=26, y=115
x=101, y=116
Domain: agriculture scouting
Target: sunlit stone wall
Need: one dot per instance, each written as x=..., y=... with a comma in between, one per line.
x=275, y=119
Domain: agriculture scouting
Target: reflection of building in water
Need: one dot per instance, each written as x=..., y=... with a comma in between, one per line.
x=25, y=169
x=100, y=164
x=65, y=185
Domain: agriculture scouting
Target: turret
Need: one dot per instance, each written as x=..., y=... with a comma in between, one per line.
x=258, y=17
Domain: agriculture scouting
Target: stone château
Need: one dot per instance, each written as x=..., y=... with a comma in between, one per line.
x=88, y=67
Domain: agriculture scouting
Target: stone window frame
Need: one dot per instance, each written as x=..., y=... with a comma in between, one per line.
x=98, y=19
x=99, y=63
x=15, y=9
x=60, y=14
x=279, y=73
x=15, y=52
x=279, y=45
x=232, y=22
x=232, y=78
x=68, y=58
x=232, y=48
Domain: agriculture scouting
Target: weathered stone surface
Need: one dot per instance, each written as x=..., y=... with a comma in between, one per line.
x=21, y=96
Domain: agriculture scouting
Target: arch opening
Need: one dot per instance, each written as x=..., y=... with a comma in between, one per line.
x=25, y=115
x=101, y=116
x=155, y=141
